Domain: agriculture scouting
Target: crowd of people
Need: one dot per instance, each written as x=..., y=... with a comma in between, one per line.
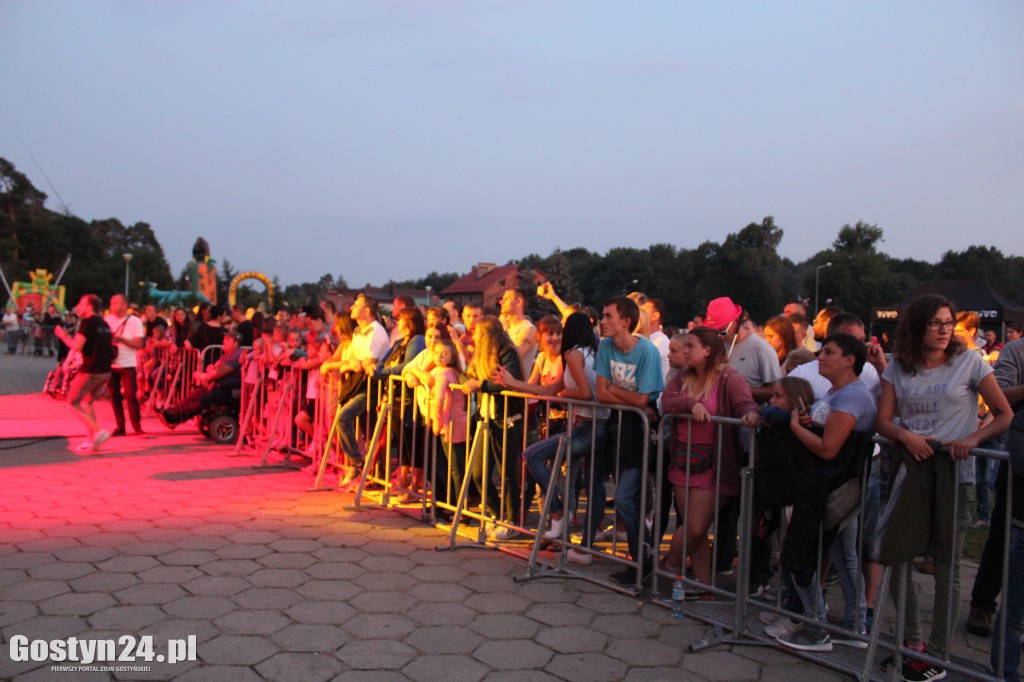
x=810, y=393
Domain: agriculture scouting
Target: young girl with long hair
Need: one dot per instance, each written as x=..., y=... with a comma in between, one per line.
x=448, y=411
x=493, y=348
x=706, y=387
x=579, y=382
x=781, y=335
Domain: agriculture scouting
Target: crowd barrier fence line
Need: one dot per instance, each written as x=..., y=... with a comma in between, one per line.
x=394, y=414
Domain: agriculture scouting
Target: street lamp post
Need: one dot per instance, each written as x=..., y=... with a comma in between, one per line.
x=127, y=259
x=429, y=302
x=817, y=277
x=630, y=285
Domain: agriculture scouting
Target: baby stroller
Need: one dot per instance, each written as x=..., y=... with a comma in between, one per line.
x=58, y=381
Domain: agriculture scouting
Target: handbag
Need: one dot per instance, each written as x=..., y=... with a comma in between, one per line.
x=693, y=457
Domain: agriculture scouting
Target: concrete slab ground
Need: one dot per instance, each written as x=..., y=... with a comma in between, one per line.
x=169, y=537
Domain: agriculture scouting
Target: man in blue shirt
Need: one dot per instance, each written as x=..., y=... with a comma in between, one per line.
x=628, y=373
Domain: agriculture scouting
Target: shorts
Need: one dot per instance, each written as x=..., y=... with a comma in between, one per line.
x=705, y=480
x=87, y=385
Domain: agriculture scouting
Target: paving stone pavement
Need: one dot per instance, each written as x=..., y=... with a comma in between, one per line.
x=171, y=537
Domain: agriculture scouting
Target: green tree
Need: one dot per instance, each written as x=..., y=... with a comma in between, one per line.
x=748, y=269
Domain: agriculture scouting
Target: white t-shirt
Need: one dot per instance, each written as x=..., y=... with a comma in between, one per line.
x=660, y=340
x=518, y=333
x=132, y=329
x=941, y=403
x=809, y=372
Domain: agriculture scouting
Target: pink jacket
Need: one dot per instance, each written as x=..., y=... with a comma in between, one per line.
x=448, y=405
x=734, y=400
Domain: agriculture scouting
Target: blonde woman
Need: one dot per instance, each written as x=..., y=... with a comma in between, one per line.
x=494, y=349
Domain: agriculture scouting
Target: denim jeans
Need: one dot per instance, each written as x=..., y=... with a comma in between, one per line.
x=347, y=416
x=540, y=453
x=629, y=505
x=989, y=579
x=843, y=552
x=1013, y=610
x=985, y=469
x=810, y=596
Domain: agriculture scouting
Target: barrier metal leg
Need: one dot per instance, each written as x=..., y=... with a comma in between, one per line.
x=285, y=392
x=317, y=487
x=250, y=412
x=370, y=460
x=534, y=569
x=482, y=431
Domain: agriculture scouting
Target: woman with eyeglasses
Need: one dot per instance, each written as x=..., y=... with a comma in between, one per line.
x=929, y=408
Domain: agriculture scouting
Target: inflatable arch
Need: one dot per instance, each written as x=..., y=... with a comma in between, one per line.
x=241, y=277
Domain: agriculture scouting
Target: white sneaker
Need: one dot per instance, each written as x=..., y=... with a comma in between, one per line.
x=582, y=558
x=500, y=533
x=101, y=438
x=783, y=627
x=557, y=526
x=768, y=617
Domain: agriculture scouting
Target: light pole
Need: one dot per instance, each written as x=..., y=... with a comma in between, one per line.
x=429, y=302
x=817, y=276
x=630, y=285
x=127, y=259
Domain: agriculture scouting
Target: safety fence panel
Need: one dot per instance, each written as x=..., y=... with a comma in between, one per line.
x=699, y=525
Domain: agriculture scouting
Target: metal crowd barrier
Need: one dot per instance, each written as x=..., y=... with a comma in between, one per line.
x=183, y=380
x=393, y=424
x=270, y=404
x=732, y=614
x=158, y=379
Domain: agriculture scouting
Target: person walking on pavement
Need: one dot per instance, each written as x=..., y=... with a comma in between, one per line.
x=93, y=340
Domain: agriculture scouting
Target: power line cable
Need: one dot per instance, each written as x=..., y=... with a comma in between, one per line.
x=39, y=166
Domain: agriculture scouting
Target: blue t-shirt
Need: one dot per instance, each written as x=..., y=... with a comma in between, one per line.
x=855, y=400
x=639, y=370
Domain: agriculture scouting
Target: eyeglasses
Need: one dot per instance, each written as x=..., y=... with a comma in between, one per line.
x=936, y=325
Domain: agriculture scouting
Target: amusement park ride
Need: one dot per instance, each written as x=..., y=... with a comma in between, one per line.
x=202, y=275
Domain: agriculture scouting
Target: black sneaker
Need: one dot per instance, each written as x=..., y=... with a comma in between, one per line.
x=916, y=670
x=979, y=622
x=165, y=420
x=627, y=576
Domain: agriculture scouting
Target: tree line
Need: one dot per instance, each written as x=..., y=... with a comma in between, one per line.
x=746, y=266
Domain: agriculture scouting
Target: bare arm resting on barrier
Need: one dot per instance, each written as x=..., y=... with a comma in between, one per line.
x=920, y=447
x=503, y=377
x=999, y=409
